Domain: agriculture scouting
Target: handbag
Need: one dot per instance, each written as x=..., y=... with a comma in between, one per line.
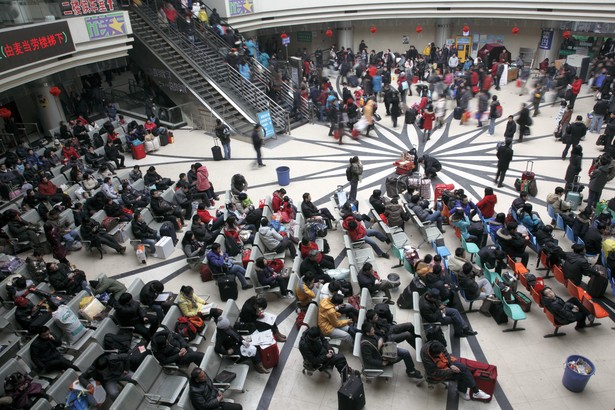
x=377, y=117
x=389, y=351
x=225, y=376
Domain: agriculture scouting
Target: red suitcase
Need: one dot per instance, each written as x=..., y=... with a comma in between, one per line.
x=528, y=173
x=138, y=151
x=486, y=375
x=269, y=355
x=441, y=188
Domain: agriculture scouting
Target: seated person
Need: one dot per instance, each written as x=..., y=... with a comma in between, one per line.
x=37, y=268
x=492, y=257
x=113, y=287
x=304, y=292
x=30, y=316
x=114, y=210
x=183, y=199
x=310, y=264
x=560, y=206
x=316, y=351
x=582, y=222
x=112, y=153
x=518, y=203
x=513, y=243
x=487, y=204
x=357, y=232
x=135, y=174
x=220, y=262
x=254, y=309
x=566, y=312
x=368, y=278
x=239, y=184
x=593, y=238
x=371, y=353
x=424, y=213
x=395, y=214
x=378, y=202
x=134, y=199
x=129, y=312
x=461, y=221
x=144, y=233
x=329, y=321
x=229, y=342
x=343, y=287
x=469, y=207
x=456, y=262
x=433, y=311
x=193, y=249
x=72, y=240
x=45, y=354
x=63, y=278
x=24, y=231
x=216, y=222
x=309, y=210
x=170, y=347
x=202, y=231
x=163, y=208
x=242, y=234
x=268, y=277
x=529, y=219
x=277, y=199
x=191, y=305
x=391, y=332
x=274, y=241
x=325, y=261
x=576, y=265
x=148, y=295
x=108, y=369
x=436, y=278
x=475, y=288
x=92, y=231
x=439, y=366
x=204, y=395
x=494, y=225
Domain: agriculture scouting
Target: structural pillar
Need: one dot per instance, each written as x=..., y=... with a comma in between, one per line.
x=50, y=111
x=556, y=41
x=345, y=35
x=444, y=31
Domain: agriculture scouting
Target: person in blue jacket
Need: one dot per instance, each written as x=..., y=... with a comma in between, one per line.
x=219, y=262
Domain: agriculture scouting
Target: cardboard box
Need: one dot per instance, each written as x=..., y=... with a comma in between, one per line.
x=164, y=247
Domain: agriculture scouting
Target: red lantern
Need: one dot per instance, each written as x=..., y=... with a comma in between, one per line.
x=329, y=33
x=566, y=34
x=515, y=30
x=466, y=30
x=5, y=113
x=55, y=91
x=283, y=35
x=419, y=29
x=373, y=29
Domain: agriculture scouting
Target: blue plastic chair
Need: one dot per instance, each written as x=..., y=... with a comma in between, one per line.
x=570, y=235
x=470, y=248
x=559, y=222
x=551, y=212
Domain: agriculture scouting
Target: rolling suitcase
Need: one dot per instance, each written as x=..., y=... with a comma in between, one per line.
x=351, y=396
x=485, y=375
x=138, y=151
x=216, y=151
x=270, y=355
x=574, y=196
x=457, y=113
x=227, y=287
x=529, y=171
x=164, y=138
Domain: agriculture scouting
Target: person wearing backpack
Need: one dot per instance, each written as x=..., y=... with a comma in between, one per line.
x=223, y=132
x=494, y=113
x=353, y=175
x=170, y=348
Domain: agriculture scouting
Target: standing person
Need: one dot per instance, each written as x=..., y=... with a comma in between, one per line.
x=394, y=109
x=257, y=141
x=440, y=111
x=368, y=112
x=428, y=119
x=483, y=106
x=597, y=180
x=536, y=98
x=493, y=109
x=601, y=108
x=574, y=133
x=505, y=156
x=574, y=90
x=524, y=120
x=355, y=172
x=224, y=133
x=574, y=167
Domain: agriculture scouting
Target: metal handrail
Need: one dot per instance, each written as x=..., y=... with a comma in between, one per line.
x=224, y=76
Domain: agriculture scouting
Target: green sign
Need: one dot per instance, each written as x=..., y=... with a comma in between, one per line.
x=304, y=36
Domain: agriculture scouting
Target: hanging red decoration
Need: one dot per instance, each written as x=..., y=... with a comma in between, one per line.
x=373, y=29
x=283, y=35
x=55, y=91
x=466, y=30
x=515, y=30
x=419, y=29
x=5, y=113
x=566, y=34
x=329, y=33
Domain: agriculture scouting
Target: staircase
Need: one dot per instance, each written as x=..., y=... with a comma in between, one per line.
x=222, y=89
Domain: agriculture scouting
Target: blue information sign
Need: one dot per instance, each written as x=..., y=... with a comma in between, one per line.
x=546, y=39
x=264, y=119
x=286, y=41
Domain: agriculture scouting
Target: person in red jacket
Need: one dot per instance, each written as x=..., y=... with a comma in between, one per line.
x=324, y=261
x=487, y=204
x=47, y=190
x=487, y=83
x=68, y=151
x=576, y=89
x=428, y=119
x=357, y=232
x=277, y=199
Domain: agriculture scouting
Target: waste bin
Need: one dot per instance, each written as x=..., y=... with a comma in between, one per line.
x=283, y=175
x=573, y=380
x=395, y=279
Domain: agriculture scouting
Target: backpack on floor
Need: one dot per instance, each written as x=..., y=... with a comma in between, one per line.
x=185, y=328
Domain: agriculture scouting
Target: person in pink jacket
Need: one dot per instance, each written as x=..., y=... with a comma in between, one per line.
x=203, y=185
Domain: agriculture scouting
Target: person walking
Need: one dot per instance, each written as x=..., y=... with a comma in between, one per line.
x=257, y=141
x=505, y=156
x=223, y=132
x=536, y=98
x=525, y=122
x=493, y=112
x=354, y=173
x=597, y=180
x=573, y=135
x=394, y=107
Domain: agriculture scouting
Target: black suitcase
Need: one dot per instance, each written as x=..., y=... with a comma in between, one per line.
x=164, y=138
x=216, y=151
x=227, y=287
x=410, y=116
x=497, y=313
x=351, y=396
x=598, y=282
x=457, y=113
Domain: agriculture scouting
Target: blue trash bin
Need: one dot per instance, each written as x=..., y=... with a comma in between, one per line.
x=283, y=175
x=574, y=381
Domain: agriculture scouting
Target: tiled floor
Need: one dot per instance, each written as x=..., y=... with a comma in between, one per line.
x=530, y=367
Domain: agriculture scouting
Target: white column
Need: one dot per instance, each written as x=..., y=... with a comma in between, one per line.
x=345, y=35
x=49, y=107
x=556, y=42
x=444, y=30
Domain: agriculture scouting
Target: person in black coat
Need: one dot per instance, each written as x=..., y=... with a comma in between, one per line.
x=505, y=155
x=229, y=342
x=492, y=257
x=318, y=353
x=576, y=265
x=566, y=312
x=108, y=369
x=252, y=310
x=45, y=355
x=430, y=165
x=511, y=128
x=205, y=396
x=512, y=242
x=171, y=348
x=377, y=201
x=574, y=167
x=593, y=239
x=524, y=120
x=574, y=133
x=113, y=154
x=148, y=295
x=129, y=312
x=163, y=208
